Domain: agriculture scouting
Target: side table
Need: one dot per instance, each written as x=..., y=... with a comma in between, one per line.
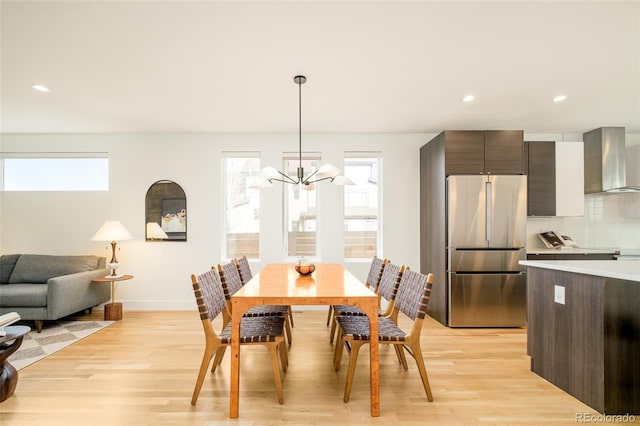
x=8, y=373
x=113, y=310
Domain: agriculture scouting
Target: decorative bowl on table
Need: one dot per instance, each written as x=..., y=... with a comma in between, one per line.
x=305, y=268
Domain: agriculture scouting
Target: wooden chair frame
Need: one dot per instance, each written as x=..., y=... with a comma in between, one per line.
x=410, y=342
x=389, y=297
x=215, y=345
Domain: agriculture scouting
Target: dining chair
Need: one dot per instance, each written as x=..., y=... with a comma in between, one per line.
x=267, y=331
x=386, y=289
x=231, y=283
x=245, y=275
x=412, y=299
x=373, y=278
x=244, y=269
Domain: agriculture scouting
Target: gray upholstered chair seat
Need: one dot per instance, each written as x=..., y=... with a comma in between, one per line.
x=256, y=330
x=358, y=327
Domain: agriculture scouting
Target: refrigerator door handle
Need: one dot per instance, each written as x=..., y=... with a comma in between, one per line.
x=488, y=222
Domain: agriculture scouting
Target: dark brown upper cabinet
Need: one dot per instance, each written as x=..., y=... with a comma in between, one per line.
x=484, y=152
x=555, y=175
x=540, y=167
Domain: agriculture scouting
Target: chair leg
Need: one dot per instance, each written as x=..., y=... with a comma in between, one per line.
x=329, y=314
x=273, y=349
x=332, y=333
x=417, y=354
x=284, y=357
x=287, y=325
x=353, y=358
x=337, y=351
x=402, y=359
x=290, y=313
x=218, y=358
x=204, y=366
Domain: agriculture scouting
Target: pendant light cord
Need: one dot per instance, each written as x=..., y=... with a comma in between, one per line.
x=300, y=122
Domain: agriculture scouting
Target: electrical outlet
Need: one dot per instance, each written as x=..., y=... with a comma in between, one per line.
x=558, y=294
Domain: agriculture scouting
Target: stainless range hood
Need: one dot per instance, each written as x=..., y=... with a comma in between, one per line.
x=605, y=158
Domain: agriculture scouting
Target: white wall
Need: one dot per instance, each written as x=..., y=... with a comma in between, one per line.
x=64, y=222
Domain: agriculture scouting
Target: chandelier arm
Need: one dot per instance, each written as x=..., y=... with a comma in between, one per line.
x=307, y=181
x=289, y=179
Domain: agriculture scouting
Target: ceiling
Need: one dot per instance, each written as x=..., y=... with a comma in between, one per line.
x=381, y=66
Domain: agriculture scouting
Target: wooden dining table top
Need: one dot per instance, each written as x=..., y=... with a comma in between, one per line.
x=279, y=281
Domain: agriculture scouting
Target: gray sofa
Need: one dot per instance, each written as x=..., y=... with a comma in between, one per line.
x=43, y=287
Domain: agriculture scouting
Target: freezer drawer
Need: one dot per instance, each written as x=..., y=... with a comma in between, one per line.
x=487, y=300
x=469, y=260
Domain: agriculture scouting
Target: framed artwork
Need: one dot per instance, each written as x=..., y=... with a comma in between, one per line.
x=174, y=217
x=166, y=205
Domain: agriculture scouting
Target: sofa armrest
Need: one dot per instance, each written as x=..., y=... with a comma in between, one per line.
x=71, y=293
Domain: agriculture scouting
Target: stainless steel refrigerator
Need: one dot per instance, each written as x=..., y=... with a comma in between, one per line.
x=486, y=237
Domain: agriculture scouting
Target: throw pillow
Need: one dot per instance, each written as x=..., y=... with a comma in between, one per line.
x=7, y=263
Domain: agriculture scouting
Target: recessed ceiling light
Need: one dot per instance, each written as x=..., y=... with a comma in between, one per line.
x=40, y=88
x=468, y=98
x=559, y=98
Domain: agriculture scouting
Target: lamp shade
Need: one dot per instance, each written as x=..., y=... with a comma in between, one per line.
x=342, y=180
x=260, y=182
x=328, y=170
x=155, y=232
x=112, y=230
x=269, y=173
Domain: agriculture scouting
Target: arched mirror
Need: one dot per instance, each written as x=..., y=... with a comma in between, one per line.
x=165, y=212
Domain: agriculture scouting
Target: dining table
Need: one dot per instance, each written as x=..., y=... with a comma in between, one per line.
x=281, y=284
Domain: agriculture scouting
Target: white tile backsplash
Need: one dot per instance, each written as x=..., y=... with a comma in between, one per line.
x=606, y=223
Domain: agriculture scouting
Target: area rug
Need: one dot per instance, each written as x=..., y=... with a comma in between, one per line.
x=55, y=335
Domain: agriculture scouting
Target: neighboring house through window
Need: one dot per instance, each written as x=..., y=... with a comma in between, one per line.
x=242, y=206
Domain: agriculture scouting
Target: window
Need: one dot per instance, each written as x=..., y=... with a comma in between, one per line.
x=242, y=206
x=55, y=174
x=301, y=211
x=362, y=207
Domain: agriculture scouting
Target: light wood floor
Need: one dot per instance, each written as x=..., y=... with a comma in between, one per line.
x=142, y=370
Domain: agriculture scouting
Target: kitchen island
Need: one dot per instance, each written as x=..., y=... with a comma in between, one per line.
x=583, y=330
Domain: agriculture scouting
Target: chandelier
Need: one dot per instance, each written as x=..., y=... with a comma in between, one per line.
x=267, y=175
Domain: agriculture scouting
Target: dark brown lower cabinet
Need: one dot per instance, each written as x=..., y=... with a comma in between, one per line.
x=590, y=345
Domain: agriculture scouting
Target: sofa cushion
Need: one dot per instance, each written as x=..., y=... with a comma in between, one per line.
x=19, y=295
x=38, y=268
x=7, y=263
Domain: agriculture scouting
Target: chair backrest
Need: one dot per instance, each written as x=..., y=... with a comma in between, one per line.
x=230, y=278
x=390, y=280
x=375, y=271
x=413, y=294
x=209, y=295
x=244, y=269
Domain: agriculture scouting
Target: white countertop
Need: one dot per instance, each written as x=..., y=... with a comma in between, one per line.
x=569, y=250
x=621, y=269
